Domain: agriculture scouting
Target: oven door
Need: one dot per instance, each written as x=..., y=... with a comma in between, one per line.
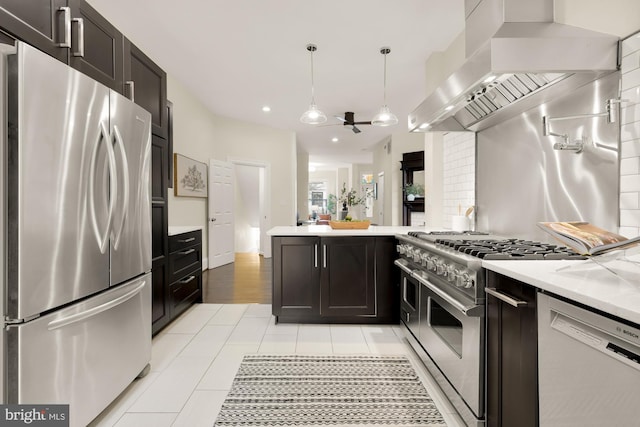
x=409, y=298
x=452, y=334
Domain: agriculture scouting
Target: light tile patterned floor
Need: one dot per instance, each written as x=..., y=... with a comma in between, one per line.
x=196, y=358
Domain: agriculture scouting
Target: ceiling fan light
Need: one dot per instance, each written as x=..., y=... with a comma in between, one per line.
x=384, y=117
x=313, y=116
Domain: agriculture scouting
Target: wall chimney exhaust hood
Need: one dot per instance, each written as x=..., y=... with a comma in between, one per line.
x=513, y=50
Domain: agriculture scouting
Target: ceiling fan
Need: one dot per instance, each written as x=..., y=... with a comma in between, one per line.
x=348, y=120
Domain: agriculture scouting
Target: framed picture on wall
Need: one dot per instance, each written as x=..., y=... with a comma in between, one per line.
x=189, y=177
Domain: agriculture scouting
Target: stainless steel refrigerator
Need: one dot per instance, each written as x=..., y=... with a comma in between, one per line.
x=76, y=236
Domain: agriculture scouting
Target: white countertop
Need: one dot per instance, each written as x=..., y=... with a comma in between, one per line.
x=179, y=229
x=327, y=231
x=583, y=281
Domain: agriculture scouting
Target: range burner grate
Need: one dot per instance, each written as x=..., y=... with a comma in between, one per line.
x=447, y=233
x=510, y=249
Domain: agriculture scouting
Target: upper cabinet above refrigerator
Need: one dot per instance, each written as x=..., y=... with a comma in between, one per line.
x=42, y=26
x=70, y=31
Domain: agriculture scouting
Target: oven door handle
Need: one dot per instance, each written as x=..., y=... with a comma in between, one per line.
x=403, y=266
x=472, y=310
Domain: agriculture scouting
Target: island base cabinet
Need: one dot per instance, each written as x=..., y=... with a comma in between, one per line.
x=334, y=279
x=512, y=362
x=296, y=277
x=347, y=277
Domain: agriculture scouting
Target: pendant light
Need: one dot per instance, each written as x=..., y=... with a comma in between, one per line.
x=313, y=116
x=384, y=117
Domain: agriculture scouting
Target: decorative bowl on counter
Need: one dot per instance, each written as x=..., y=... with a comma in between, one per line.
x=346, y=225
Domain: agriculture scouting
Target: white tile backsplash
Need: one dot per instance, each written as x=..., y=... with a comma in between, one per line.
x=630, y=137
x=459, y=155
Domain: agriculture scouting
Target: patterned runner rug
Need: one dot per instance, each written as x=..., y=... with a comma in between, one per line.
x=328, y=391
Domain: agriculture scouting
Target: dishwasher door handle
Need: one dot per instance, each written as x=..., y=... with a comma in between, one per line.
x=517, y=303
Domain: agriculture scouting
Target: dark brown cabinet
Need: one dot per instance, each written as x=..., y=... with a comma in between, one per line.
x=334, y=279
x=410, y=164
x=70, y=31
x=296, y=276
x=185, y=271
x=146, y=84
x=44, y=24
x=96, y=46
x=347, y=280
x=512, y=362
x=160, y=310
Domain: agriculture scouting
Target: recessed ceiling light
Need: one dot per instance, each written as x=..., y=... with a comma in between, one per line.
x=266, y=108
x=334, y=139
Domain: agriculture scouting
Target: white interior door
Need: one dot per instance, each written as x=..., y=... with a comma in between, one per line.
x=221, y=237
x=380, y=201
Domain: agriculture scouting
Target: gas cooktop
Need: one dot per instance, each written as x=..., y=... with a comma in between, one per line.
x=493, y=247
x=508, y=249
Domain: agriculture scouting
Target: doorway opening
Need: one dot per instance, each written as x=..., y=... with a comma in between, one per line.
x=251, y=207
x=246, y=277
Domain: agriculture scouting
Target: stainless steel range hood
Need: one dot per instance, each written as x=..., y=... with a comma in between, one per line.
x=514, y=50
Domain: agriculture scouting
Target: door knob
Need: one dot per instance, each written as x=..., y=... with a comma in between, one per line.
x=213, y=219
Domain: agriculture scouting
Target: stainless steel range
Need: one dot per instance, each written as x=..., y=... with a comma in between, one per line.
x=443, y=305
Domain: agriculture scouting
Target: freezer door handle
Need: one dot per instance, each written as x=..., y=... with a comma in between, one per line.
x=103, y=237
x=83, y=315
x=125, y=178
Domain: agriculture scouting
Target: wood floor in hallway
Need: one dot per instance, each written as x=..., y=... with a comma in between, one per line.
x=247, y=280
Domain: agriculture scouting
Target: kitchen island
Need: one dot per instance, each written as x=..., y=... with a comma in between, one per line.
x=322, y=275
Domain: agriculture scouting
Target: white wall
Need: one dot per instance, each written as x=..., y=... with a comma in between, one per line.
x=382, y=163
x=201, y=135
x=459, y=174
x=302, y=185
x=617, y=17
x=630, y=139
x=434, y=185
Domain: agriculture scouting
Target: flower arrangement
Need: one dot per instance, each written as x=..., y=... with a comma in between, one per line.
x=350, y=198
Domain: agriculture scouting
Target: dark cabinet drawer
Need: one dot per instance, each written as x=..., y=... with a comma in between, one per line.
x=185, y=292
x=185, y=240
x=185, y=261
x=185, y=271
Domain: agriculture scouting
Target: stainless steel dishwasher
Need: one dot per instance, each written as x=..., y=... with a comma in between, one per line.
x=588, y=367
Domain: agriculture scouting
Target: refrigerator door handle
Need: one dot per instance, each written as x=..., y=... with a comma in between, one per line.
x=83, y=315
x=125, y=177
x=103, y=238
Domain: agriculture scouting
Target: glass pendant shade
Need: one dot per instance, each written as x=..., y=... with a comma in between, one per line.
x=384, y=117
x=313, y=116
